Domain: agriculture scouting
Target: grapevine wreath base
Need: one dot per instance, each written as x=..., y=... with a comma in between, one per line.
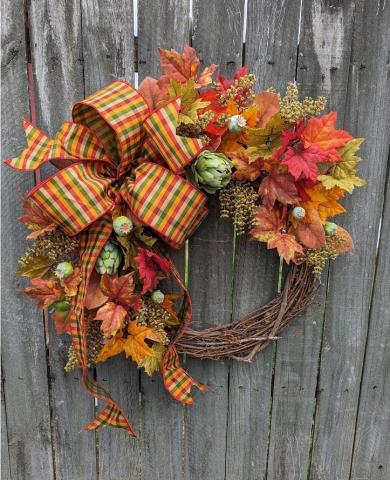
x=242, y=339
x=135, y=168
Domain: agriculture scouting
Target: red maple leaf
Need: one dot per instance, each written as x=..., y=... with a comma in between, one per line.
x=152, y=92
x=121, y=290
x=213, y=128
x=278, y=186
x=149, y=265
x=321, y=133
x=267, y=222
x=225, y=83
x=302, y=161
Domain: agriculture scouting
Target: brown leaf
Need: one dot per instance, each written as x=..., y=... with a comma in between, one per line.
x=121, y=290
x=246, y=168
x=94, y=297
x=36, y=268
x=45, y=292
x=278, y=186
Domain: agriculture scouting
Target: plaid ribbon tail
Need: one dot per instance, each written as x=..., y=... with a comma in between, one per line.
x=91, y=243
x=37, y=151
x=176, y=380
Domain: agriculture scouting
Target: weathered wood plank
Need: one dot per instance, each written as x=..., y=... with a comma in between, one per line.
x=104, y=60
x=217, y=38
x=319, y=72
x=351, y=276
x=55, y=30
x=162, y=24
x=273, y=63
x=5, y=461
x=23, y=346
x=371, y=457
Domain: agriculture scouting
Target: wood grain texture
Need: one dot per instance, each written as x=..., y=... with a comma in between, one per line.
x=161, y=24
x=108, y=42
x=23, y=346
x=351, y=276
x=217, y=38
x=164, y=24
x=371, y=457
x=250, y=387
x=55, y=38
x=112, y=56
x=319, y=72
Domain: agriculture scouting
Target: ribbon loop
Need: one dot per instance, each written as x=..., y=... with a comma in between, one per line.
x=116, y=115
x=167, y=203
x=176, y=150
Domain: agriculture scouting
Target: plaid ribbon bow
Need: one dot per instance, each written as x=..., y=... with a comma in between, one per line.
x=113, y=133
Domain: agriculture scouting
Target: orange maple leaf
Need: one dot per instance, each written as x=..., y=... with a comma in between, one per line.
x=135, y=346
x=247, y=168
x=61, y=321
x=112, y=316
x=267, y=104
x=286, y=245
x=70, y=284
x=183, y=66
x=267, y=223
x=310, y=232
x=45, y=291
x=113, y=347
x=322, y=133
x=347, y=244
x=324, y=201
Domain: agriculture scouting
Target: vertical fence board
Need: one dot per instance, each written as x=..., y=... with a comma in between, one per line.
x=273, y=63
x=372, y=439
x=55, y=37
x=111, y=57
x=5, y=463
x=217, y=38
x=162, y=24
x=351, y=276
x=322, y=69
x=23, y=346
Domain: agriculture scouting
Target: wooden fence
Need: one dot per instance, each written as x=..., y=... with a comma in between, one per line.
x=317, y=405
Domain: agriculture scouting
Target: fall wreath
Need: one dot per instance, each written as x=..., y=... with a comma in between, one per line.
x=135, y=168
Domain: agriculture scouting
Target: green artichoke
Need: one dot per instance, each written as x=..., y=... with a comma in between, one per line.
x=211, y=171
x=109, y=259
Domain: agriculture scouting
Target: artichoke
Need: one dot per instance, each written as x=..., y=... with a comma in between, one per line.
x=211, y=171
x=109, y=259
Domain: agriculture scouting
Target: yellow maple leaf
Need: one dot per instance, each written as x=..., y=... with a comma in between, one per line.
x=135, y=345
x=153, y=363
x=343, y=174
x=190, y=101
x=263, y=141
